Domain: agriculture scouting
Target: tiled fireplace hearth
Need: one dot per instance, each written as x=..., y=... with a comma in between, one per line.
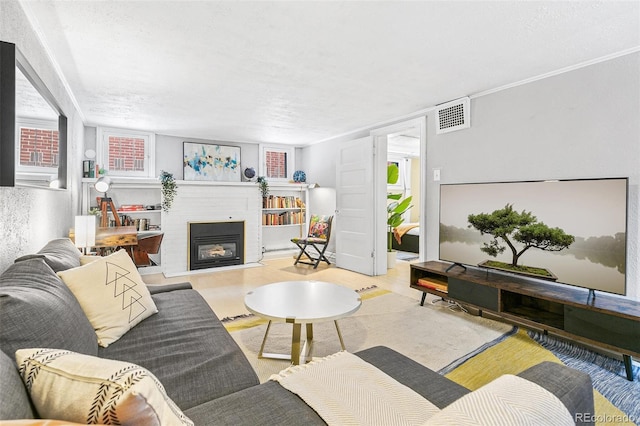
x=200, y=202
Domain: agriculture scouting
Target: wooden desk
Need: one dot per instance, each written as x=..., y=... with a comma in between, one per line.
x=113, y=236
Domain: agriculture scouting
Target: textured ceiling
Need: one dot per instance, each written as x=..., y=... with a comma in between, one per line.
x=300, y=72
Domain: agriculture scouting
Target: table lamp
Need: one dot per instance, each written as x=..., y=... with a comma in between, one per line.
x=85, y=232
x=103, y=184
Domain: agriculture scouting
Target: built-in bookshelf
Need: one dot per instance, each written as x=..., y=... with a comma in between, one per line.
x=284, y=216
x=137, y=202
x=283, y=210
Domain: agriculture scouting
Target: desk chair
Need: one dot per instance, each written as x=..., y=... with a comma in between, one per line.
x=148, y=243
x=318, y=239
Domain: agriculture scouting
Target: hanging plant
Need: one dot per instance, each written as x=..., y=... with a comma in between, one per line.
x=169, y=190
x=264, y=186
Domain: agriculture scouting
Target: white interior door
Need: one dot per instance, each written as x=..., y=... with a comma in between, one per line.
x=354, y=226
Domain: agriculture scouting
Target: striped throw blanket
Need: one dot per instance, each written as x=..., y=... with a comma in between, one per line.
x=345, y=390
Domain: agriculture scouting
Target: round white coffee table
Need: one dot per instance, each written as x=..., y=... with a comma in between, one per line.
x=301, y=302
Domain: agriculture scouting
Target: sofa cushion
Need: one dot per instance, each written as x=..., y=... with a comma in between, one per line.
x=112, y=295
x=431, y=385
x=60, y=254
x=511, y=399
x=14, y=403
x=187, y=348
x=573, y=387
x=81, y=388
x=38, y=310
x=271, y=404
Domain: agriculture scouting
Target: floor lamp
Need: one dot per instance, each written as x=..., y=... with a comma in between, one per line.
x=103, y=184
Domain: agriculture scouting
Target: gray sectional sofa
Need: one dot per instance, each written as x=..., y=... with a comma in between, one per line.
x=187, y=348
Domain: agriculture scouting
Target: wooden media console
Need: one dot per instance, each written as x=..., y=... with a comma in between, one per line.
x=602, y=320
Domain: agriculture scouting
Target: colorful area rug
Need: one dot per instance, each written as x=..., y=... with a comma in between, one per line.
x=517, y=351
x=608, y=374
x=433, y=335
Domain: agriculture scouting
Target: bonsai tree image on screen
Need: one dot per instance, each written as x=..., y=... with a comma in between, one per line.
x=508, y=225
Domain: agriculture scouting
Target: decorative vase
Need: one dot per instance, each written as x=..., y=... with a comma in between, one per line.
x=249, y=174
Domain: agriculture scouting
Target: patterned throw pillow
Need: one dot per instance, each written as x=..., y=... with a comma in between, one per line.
x=80, y=388
x=111, y=294
x=319, y=227
x=84, y=259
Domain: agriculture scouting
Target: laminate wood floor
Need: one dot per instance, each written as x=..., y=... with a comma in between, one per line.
x=225, y=290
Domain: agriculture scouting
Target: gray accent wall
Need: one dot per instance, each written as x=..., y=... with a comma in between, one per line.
x=583, y=123
x=580, y=124
x=29, y=217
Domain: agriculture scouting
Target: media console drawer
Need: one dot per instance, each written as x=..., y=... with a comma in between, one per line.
x=617, y=331
x=478, y=295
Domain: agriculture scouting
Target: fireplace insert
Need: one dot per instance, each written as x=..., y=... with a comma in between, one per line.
x=215, y=244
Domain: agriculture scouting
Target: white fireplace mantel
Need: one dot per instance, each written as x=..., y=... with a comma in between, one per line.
x=198, y=201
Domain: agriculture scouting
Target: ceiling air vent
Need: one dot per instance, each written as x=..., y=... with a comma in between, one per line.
x=452, y=116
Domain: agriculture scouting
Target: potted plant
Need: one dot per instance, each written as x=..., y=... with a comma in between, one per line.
x=395, y=209
x=264, y=188
x=169, y=189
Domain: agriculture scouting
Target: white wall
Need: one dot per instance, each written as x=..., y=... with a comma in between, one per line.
x=319, y=160
x=169, y=152
x=29, y=217
x=580, y=124
x=415, y=190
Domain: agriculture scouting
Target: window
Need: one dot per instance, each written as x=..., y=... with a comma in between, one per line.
x=126, y=152
x=277, y=162
x=38, y=152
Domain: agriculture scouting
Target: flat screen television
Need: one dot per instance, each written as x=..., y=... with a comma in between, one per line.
x=571, y=231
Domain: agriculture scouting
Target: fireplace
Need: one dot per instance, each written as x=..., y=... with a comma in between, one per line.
x=215, y=244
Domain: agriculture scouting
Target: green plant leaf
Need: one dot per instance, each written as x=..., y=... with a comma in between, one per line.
x=397, y=207
x=393, y=173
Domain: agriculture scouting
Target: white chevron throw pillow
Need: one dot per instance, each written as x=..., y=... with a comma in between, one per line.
x=65, y=385
x=112, y=295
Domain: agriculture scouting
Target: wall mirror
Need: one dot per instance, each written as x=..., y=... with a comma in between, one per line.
x=38, y=143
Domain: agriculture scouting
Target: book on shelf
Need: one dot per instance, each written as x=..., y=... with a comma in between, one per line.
x=423, y=282
x=141, y=224
x=282, y=218
x=282, y=202
x=131, y=208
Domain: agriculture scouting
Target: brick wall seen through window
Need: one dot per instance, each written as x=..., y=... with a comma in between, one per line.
x=126, y=153
x=38, y=147
x=276, y=163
